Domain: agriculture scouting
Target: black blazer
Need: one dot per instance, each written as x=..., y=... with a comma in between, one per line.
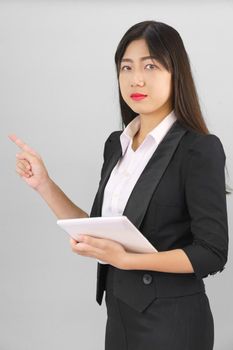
x=179, y=201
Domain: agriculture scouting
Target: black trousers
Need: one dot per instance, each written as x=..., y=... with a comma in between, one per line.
x=174, y=323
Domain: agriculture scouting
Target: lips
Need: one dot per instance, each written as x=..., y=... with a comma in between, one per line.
x=137, y=96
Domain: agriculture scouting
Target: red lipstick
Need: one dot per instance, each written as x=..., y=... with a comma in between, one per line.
x=137, y=96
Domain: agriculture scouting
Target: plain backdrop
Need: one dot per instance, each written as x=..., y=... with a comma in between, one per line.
x=58, y=92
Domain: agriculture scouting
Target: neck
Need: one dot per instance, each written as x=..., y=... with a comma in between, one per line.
x=149, y=121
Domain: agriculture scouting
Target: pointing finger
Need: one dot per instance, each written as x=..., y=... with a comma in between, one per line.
x=22, y=144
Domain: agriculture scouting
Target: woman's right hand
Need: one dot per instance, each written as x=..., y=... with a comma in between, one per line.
x=29, y=165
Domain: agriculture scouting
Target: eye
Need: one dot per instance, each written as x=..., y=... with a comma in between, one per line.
x=152, y=65
x=122, y=68
x=125, y=68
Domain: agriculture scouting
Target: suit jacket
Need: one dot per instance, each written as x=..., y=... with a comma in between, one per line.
x=179, y=201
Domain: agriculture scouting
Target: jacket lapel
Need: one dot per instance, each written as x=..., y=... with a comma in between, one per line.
x=149, y=178
x=111, y=161
x=151, y=175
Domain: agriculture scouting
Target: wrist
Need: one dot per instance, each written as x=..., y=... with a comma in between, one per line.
x=126, y=261
x=137, y=261
x=45, y=186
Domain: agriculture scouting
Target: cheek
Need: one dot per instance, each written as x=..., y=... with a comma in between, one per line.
x=161, y=88
x=124, y=87
x=122, y=81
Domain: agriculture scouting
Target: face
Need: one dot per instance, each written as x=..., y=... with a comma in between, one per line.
x=145, y=76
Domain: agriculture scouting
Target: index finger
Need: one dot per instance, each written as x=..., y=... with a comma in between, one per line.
x=22, y=144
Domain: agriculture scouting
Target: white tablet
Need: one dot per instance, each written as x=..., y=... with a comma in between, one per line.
x=117, y=228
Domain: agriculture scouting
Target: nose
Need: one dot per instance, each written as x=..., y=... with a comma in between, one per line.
x=137, y=78
x=137, y=83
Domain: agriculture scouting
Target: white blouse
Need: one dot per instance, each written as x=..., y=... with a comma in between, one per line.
x=131, y=164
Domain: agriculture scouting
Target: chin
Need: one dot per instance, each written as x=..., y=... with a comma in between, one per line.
x=138, y=109
x=143, y=110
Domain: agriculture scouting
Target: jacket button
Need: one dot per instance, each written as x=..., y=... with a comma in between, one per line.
x=147, y=279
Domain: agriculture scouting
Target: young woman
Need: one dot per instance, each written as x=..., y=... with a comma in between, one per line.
x=165, y=172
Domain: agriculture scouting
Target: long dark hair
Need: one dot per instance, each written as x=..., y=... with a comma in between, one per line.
x=166, y=45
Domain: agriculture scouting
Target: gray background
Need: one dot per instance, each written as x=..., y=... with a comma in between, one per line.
x=58, y=92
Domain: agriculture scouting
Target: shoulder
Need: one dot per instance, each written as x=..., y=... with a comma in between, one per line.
x=115, y=135
x=110, y=144
x=195, y=143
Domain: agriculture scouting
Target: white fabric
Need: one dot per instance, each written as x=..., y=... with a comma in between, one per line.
x=130, y=166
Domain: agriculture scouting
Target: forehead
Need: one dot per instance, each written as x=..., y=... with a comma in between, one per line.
x=137, y=48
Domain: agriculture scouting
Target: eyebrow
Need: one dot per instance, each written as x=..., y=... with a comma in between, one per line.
x=141, y=59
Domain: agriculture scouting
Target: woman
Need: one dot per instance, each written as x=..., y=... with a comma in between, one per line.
x=165, y=172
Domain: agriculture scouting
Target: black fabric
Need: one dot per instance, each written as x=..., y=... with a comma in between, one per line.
x=178, y=201
x=171, y=323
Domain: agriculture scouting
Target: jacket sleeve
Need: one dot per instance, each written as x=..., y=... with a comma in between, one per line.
x=206, y=202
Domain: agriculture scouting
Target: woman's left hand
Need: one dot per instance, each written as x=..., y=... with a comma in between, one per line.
x=102, y=249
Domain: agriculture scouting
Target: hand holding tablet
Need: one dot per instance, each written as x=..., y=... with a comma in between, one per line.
x=118, y=228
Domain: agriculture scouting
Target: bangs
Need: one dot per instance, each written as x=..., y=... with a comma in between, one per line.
x=155, y=46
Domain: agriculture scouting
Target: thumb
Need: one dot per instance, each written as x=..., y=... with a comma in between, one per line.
x=73, y=241
x=26, y=155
